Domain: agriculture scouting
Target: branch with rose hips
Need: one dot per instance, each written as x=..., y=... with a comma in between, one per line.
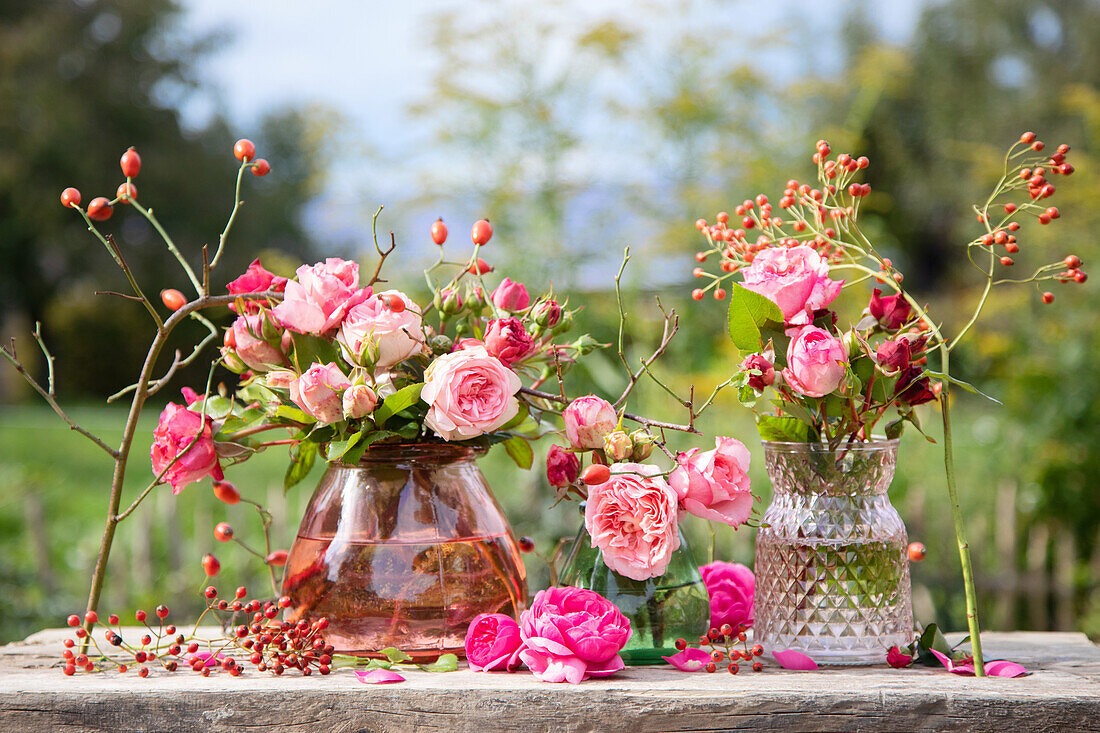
x=99, y=210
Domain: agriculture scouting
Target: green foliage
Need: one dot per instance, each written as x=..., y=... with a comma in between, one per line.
x=749, y=313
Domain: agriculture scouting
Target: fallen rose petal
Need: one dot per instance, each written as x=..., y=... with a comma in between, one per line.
x=689, y=660
x=963, y=668
x=378, y=676
x=790, y=659
x=1005, y=668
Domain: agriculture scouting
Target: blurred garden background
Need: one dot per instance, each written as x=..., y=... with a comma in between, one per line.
x=578, y=128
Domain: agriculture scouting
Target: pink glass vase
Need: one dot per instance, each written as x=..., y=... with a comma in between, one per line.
x=404, y=550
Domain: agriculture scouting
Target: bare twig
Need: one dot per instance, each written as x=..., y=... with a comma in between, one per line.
x=121, y=261
x=48, y=394
x=237, y=203
x=120, y=295
x=627, y=415
x=671, y=326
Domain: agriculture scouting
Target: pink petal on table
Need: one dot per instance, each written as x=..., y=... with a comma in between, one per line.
x=964, y=668
x=378, y=676
x=790, y=659
x=689, y=660
x=1004, y=668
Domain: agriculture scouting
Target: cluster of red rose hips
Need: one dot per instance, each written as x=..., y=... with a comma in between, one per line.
x=813, y=215
x=101, y=208
x=722, y=642
x=266, y=642
x=1030, y=174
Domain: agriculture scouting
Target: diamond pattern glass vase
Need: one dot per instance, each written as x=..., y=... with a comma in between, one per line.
x=832, y=569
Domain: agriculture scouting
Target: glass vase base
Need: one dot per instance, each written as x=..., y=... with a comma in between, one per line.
x=646, y=657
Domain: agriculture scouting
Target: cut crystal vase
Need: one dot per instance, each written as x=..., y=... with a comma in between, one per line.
x=832, y=569
x=403, y=550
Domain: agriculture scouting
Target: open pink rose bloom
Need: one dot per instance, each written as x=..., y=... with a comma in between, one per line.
x=570, y=634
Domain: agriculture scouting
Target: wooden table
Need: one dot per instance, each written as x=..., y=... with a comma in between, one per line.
x=1062, y=695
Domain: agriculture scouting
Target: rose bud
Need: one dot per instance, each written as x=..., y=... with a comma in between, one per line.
x=587, y=420
x=359, y=401
x=891, y=311
x=893, y=355
x=760, y=363
x=618, y=446
x=511, y=296
x=280, y=378
x=546, y=313
x=562, y=467
x=643, y=445
x=912, y=389
x=448, y=301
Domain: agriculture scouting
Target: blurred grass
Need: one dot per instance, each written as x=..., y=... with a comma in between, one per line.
x=45, y=565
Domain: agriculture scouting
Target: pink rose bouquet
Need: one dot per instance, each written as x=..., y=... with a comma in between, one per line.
x=570, y=635
x=317, y=301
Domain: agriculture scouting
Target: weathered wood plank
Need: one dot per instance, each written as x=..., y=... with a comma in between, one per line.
x=1063, y=695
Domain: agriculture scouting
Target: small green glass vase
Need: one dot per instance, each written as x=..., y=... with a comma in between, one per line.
x=661, y=610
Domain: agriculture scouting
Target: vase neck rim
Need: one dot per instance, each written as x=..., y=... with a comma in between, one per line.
x=423, y=452
x=875, y=445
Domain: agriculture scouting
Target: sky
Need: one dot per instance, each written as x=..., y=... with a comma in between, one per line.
x=371, y=59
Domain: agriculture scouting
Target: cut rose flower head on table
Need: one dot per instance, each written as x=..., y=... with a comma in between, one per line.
x=790, y=266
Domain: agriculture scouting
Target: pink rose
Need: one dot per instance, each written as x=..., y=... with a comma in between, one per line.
x=493, y=643
x=508, y=340
x=892, y=311
x=373, y=333
x=632, y=518
x=318, y=390
x=794, y=278
x=587, y=420
x=321, y=296
x=470, y=393
x=511, y=296
x=255, y=279
x=250, y=345
x=731, y=587
x=714, y=484
x=562, y=467
x=816, y=362
x=570, y=634
x=898, y=659
x=183, y=433
x=760, y=363
x=359, y=401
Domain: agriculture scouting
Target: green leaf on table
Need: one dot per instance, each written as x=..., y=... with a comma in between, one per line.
x=748, y=313
x=965, y=385
x=932, y=638
x=402, y=399
x=520, y=451
x=782, y=429
x=446, y=663
x=302, y=457
x=309, y=349
x=393, y=654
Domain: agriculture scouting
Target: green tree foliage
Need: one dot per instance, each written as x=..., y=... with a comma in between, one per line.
x=79, y=83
